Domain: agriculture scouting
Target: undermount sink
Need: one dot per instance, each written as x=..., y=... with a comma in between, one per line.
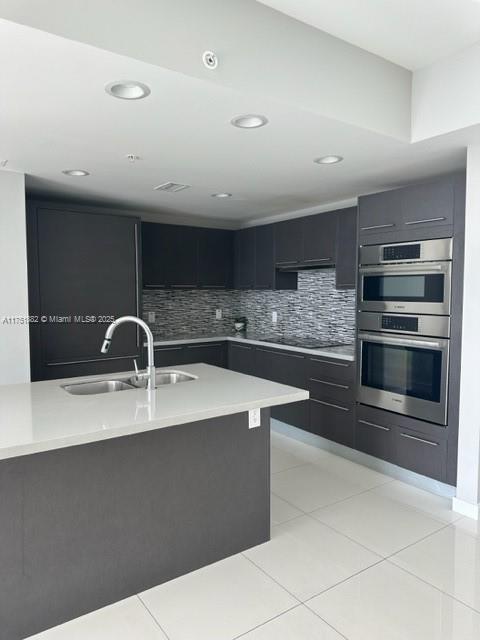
x=97, y=386
x=110, y=386
x=163, y=378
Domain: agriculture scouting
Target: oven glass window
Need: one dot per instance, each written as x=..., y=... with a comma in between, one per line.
x=404, y=288
x=408, y=371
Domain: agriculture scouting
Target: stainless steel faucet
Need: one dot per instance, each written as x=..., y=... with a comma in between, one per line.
x=150, y=372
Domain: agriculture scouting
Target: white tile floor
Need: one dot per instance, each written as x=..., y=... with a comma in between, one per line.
x=354, y=554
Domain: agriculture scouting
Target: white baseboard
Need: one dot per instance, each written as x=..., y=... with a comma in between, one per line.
x=466, y=508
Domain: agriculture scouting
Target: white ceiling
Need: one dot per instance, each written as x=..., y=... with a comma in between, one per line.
x=411, y=33
x=55, y=115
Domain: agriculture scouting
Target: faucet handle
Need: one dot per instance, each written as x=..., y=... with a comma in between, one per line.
x=136, y=368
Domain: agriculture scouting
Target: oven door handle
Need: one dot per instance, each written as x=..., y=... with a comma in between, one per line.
x=405, y=269
x=402, y=342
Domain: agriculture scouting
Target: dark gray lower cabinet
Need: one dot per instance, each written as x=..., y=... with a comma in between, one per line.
x=241, y=358
x=332, y=400
x=290, y=368
x=407, y=442
x=214, y=353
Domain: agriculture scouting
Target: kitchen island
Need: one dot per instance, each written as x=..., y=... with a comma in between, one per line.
x=103, y=496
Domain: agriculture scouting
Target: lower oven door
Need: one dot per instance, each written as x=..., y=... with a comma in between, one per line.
x=404, y=375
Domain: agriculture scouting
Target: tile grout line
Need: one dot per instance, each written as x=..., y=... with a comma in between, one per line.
x=262, y=624
x=326, y=622
x=271, y=578
x=477, y=611
x=153, y=617
x=334, y=586
x=412, y=544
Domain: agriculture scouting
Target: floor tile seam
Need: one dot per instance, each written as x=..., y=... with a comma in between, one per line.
x=342, y=635
x=279, y=584
x=262, y=624
x=412, y=544
x=152, y=616
x=345, y=580
x=429, y=584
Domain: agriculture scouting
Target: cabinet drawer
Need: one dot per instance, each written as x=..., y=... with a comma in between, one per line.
x=295, y=414
x=375, y=438
x=332, y=421
x=241, y=358
x=323, y=389
x=421, y=453
x=169, y=356
x=341, y=371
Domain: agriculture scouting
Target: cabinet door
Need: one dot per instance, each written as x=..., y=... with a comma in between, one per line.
x=421, y=453
x=264, y=257
x=208, y=353
x=292, y=369
x=288, y=242
x=215, y=259
x=380, y=213
x=319, y=239
x=332, y=421
x=173, y=355
x=180, y=246
x=241, y=358
x=154, y=248
x=346, y=250
x=428, y=205
x=245, y=259
x=83, y=266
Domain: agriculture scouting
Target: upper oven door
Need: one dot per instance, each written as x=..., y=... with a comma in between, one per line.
x=404, y=375
x=412, y=288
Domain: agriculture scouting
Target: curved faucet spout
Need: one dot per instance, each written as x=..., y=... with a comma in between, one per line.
x=150, y=350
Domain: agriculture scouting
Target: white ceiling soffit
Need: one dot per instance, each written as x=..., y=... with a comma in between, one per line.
x=56, y=115
x=261, y=51
x=411, y=33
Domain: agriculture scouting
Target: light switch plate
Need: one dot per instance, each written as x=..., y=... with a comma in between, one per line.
x=151, y=317
x=218, y=314
x=274, y=317
x=253, y=418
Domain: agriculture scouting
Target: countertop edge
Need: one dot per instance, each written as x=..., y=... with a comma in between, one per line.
x=327, y=352
x=20, y=450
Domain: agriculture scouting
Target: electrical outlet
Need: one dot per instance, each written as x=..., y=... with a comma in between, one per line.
x=218, y=314
x=151, y=317
x=253, y=418
x=274, y=317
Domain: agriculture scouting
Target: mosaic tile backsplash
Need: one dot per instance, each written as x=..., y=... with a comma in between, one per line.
x=315, y=309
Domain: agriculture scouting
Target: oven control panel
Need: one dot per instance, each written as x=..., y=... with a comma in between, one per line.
x=420, y=325
x=394, y=253
x=400, y=323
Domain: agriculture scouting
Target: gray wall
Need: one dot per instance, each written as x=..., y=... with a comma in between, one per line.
x=316, y=309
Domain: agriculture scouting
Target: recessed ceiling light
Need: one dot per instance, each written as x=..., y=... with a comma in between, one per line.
x=127, y=89
x=328, y=159
x=221, y=195
x=76, y=173
x=249, y=121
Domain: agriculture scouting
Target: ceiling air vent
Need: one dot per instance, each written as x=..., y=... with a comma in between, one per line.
x=171, y=187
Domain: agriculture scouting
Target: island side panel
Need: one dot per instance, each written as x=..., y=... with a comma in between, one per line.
x=103, y=521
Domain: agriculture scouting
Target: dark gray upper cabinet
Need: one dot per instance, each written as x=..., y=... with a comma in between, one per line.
x=417, y=212
x=255, y=262
x=264, y=257
x=319, y=239
x=82, y=267
x=379, y=213
x=346, y=249
x=244, y=271
x=180, y=246
x=215, y=263
x=289, y=242
x=427, y=205
x=182, y=257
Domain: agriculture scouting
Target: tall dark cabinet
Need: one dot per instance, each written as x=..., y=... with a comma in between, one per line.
x=83, y=271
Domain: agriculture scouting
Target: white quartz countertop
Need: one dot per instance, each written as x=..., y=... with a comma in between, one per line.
x=42, y=416
x=342, y=352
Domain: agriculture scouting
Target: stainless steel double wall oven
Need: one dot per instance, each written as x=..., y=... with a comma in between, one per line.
x=404, y=327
